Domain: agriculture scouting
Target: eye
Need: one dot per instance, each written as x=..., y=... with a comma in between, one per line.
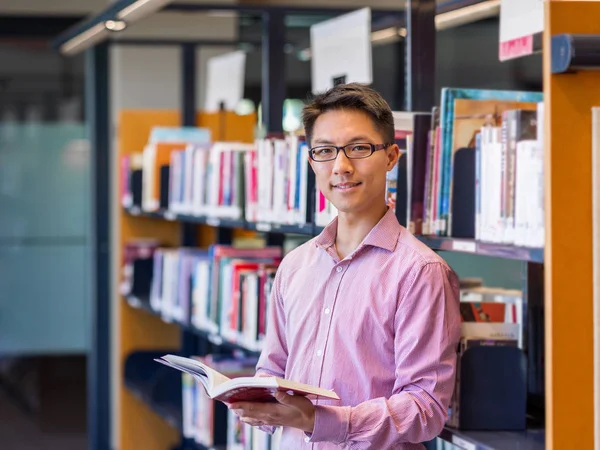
x=360, y=148
x=323, y=151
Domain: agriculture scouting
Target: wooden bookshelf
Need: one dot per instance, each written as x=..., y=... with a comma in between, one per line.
x=142, y=306
x=141, y=422
x=568, y=271
x=139, y=426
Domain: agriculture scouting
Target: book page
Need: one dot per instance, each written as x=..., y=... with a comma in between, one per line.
x=210, y=378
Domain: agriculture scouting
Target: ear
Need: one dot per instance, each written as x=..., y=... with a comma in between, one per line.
x=310, y=162
x=393, y=153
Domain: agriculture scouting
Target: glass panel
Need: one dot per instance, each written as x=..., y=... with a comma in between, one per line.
x=44, y=203
x=43, y=292
x=44, y=173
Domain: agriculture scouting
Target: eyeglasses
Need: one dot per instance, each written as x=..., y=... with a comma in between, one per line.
x=352, y=151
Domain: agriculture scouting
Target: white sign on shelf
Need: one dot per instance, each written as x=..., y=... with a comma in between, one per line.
x=464, y=246
x=341, y=50
x=225, y=81
x=519, y=21
x=462, y=443
x=265, y=227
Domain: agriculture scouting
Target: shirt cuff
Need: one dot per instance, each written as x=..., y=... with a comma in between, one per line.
x=331, y=424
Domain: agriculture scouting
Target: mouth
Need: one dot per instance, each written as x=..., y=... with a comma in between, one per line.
x=345, y=186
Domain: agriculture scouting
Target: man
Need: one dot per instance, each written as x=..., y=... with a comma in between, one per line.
x=364, y=308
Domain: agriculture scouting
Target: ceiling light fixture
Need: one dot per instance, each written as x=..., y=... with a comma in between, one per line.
x=115, y=25
x=84, y=40
x=467, y=14
x=385, y=34
x=116, y=20
x=141, y=9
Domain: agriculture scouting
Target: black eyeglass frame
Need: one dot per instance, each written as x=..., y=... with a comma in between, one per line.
x=374, y=148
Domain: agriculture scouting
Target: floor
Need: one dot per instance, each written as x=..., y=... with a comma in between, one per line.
x=53, y=417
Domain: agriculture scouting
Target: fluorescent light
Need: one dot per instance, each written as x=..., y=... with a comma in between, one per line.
x=222, y=13
x=115, y=25
x=468, y=14
x=84, y=40
x=101, y=31
x=385, y=34
x=305, y=54
x=140, y=9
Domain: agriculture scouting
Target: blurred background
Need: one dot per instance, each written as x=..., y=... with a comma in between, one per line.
x=45, y=191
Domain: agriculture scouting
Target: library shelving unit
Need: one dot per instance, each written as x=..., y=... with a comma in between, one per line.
x=557, y=278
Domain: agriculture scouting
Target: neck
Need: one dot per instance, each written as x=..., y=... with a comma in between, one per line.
x=352, y=228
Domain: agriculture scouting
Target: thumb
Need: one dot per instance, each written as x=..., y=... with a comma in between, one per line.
x=285, y=399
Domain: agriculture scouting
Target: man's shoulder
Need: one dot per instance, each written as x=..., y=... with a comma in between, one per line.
x=296, y=256
x=409, y=248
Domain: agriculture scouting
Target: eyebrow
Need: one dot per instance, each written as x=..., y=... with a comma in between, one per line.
x=354, y=139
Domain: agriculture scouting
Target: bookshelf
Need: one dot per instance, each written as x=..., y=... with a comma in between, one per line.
x=495, y=440
x=569, y=330
x=557, y=278
x=470, y=246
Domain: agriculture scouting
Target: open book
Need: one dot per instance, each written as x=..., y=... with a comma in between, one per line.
x=247, y=389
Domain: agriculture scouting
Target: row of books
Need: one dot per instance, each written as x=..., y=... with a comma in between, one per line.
x=267, y=181
x=209, y=423
x=470, y=168
x=491, y=318
x=477, y=167
x=222, y=290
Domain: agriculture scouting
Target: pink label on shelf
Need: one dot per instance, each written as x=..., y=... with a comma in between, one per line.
x=516, y=48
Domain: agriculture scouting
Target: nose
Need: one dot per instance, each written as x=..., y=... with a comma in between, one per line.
x=342, y=164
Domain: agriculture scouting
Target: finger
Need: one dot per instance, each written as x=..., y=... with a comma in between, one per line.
x=285, y=399
x=252, y=422
x=243, y=408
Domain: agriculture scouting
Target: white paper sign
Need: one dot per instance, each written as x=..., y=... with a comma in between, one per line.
x=225, y=81
x=519, y=21
x=341, y=49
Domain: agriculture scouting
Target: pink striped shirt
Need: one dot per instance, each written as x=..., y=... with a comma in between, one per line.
x=380, y=327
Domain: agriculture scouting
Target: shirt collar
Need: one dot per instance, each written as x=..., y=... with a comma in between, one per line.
x=383, y=235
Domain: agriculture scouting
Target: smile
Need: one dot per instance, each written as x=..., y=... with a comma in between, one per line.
x=345, y=186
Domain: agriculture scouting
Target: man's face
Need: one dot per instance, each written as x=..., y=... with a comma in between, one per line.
x=352, y=185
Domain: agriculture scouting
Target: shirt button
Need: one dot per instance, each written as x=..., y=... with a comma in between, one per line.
x=319, y=352
x=327, y=310
x=339, y=269
x=306, y=439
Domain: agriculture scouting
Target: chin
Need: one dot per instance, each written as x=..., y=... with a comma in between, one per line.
x=347, y=207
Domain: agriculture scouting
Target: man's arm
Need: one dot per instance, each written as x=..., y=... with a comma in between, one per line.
x=427, y=327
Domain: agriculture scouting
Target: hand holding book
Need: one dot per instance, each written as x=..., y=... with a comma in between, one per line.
x=291, y=411
x=242, y=389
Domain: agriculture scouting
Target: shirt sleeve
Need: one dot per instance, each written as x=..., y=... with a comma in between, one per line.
x=427, y=332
